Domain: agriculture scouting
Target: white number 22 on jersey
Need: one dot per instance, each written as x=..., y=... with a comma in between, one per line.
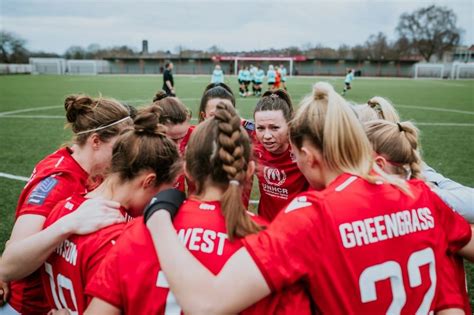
x=392, y=270
x=172, y=307
x=63, y=284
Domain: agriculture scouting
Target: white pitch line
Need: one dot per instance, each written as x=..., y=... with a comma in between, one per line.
x=33, y=116
x=444, y=124
x=436, y=109
x=10, y=176
x=28, y=110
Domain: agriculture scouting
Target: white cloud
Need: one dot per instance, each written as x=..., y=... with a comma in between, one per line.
x=245, y=25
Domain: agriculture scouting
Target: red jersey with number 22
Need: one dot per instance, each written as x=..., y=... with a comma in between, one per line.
x=73, y=263
x=131, y=279
x=364, y=248
x=54, y=179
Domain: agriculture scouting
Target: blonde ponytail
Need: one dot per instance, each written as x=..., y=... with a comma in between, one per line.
x=330, y=124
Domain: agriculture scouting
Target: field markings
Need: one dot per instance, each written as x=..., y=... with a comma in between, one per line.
x=437, y=109
x=32, y=109
x=25, y=179
x=15, y=177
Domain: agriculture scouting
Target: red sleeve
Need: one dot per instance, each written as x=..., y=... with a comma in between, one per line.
x=457, y=229
x=105, y=282
x=450, y=294
x=286, y=251
x=43, y=197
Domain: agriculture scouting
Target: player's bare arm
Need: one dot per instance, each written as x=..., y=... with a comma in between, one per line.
x=29, y=246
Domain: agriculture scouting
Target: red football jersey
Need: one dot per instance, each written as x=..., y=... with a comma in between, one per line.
x=363, y=248
x=54, y=179
x=279, y=181
x=71, y=266
x=143, y=289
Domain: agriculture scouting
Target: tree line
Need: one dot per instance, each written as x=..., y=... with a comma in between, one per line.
x=426, y=32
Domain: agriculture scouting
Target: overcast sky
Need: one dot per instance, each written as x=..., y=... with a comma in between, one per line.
x=55, y=25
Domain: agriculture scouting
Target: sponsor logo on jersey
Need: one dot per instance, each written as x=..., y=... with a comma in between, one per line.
x=42, y=191
x=206, y=206
x=274, y=176
x=298, y=203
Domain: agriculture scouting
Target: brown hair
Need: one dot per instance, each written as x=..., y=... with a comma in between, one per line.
x=276, y=100
x=397, y=142
x=84, y=113
x=327, y=121
x=169, y=109
x=215, y=90
x=377, y=108
x=219, y=151
x=146, y=147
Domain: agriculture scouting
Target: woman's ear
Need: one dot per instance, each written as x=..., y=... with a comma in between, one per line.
x=381, y=162
x=203, y=115
x=149, y=181
x=94, y=141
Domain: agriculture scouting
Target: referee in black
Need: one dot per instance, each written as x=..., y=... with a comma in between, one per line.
x=168, y=83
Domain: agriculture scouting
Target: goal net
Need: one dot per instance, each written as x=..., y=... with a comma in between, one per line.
x=462, y=71
x=429, y=71
x=48, y=65
x=86, y=67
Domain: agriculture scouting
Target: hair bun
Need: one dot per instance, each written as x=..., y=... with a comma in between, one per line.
x=321, y=90
x=148, y=124
x=76, y=105
x=159, y=96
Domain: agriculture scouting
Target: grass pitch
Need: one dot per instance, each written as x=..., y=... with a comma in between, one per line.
x=32, y=119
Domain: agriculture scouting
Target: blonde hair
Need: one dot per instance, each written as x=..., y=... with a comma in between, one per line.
x=397, y=142
x=219, y=150
x=328, y=122
x=377, y=108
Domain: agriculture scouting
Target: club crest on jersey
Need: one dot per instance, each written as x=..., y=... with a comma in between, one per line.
x=298, y=203
x=274, y=176
x=42, y=190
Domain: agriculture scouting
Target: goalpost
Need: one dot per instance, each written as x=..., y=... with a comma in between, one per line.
x=236, y=60
x=462, y=70
x=85, y=67
x=429, y=71
x=48, y=65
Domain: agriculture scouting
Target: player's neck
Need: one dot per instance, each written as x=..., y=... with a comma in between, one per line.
x=113, y=189
x=211, y=193
x=82, y=157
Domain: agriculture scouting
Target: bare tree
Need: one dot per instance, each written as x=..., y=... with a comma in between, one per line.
x=431, y=30
x=12, y=48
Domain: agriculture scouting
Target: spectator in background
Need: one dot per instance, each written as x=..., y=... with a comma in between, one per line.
x=217, y=75
x=168, y=82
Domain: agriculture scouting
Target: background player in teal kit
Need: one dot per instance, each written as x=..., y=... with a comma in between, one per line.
x=258, y=80
x=348, y=80
x=271, y=77
x=217, y=75
x=247, y=77
x=283, y=74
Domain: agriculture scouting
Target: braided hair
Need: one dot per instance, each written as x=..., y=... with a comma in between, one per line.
x=219, y=152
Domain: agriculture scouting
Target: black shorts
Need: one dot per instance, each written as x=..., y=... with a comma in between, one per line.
x=240, y=81
x=246, y=82
x=348, y=85
x=271, y=83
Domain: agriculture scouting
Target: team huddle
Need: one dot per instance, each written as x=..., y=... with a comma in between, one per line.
x=147, y=214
